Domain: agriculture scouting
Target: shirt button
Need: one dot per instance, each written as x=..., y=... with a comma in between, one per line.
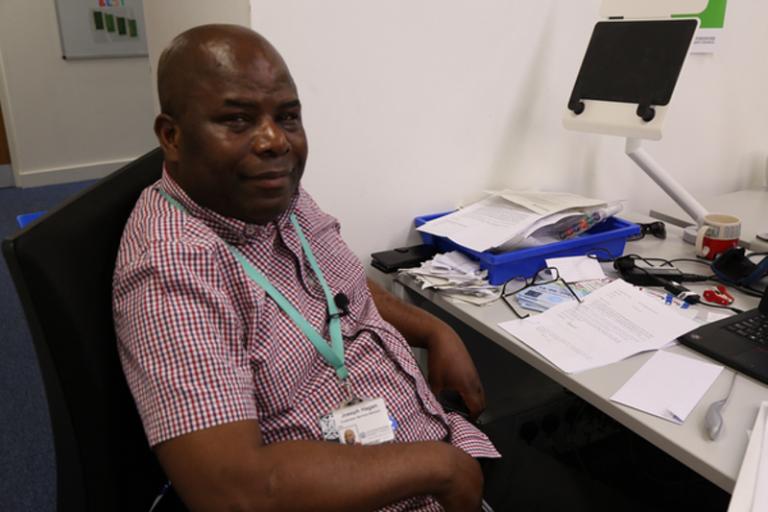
x=249, y=230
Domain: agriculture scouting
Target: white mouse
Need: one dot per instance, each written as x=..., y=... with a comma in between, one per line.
x=713, y=420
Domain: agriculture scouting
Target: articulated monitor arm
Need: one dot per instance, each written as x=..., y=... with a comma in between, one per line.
x=665, y=180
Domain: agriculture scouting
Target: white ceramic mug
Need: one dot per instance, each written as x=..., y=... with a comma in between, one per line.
x=718, y=233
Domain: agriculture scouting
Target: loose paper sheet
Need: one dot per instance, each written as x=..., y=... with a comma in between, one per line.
x=577, y=268
x=548, y=202
x=485, y=224
x=668, y=386
x=612, y=323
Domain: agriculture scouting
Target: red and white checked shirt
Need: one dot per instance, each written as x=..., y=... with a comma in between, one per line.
x=201, y=344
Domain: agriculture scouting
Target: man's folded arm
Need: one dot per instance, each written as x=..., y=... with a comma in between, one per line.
x=450, y=365
x=227, y=467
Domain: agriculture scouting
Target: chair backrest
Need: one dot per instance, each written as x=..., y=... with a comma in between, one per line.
x=62, y=267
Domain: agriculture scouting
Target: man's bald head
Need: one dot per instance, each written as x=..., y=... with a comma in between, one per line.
x=230, y=125
x=206, y=53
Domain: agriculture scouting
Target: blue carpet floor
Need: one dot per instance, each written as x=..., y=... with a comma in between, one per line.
x=27, y=471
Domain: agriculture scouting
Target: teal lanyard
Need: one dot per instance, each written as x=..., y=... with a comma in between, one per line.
x=333, y=353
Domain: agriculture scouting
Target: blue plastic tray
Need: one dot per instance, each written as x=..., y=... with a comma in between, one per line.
x=608, y=237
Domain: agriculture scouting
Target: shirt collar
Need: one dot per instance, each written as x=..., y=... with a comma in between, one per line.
x=233, y=231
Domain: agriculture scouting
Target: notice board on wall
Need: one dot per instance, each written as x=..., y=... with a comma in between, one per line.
x=91, y=29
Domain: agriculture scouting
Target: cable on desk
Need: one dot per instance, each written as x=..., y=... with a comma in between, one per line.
x=715, y=306
x=752, y=292
x=746, y=290
x=692, y=260
x=591, y=254
x=730, y=389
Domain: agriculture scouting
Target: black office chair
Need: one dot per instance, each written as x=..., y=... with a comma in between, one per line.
x=62, y=267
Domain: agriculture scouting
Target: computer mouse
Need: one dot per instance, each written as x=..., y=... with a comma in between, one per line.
x=713, y=420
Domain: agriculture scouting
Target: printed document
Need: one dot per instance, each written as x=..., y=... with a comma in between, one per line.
x=548, y=202
x=611, y=324
x=482, y=225
x=668, y=385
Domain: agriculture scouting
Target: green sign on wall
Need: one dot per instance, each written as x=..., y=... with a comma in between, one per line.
x=711, y=17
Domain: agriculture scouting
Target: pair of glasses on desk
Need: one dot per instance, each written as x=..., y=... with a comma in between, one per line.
x=519, y=284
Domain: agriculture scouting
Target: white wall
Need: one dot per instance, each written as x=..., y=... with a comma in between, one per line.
x=67, y=120
x=413, y=107
x=167, y=18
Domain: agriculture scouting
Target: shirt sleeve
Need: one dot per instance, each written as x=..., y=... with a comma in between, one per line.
x=180, y=342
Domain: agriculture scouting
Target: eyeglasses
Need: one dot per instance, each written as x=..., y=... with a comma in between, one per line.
x=518, y=284
x=657, y=229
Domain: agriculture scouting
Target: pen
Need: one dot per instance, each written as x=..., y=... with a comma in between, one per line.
x=583, y=224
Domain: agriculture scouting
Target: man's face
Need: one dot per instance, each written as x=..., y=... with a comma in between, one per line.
x=241, y=146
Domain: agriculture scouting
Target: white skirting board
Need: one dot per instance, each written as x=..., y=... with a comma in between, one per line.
x=71, y=174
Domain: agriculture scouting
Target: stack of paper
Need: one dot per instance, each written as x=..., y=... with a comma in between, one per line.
x=458, y=276
x=507, y=219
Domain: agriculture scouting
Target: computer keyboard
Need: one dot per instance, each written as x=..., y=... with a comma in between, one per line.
x=754, y=328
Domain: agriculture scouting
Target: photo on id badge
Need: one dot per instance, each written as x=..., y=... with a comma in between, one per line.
x=349, y=437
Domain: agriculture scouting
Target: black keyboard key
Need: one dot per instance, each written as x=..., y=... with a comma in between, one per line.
x=754, y=329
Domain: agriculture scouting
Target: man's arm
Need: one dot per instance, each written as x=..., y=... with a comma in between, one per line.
x=450, y=366
x=228, y=468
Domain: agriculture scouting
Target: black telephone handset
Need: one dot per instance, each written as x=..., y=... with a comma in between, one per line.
x=402, y=257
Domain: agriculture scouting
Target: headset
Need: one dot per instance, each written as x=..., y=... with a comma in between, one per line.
x=735, y=267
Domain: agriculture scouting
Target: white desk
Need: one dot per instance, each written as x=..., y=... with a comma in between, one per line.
x=717, y=461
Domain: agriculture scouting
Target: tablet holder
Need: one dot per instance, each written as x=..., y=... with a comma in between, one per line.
x=624, y=86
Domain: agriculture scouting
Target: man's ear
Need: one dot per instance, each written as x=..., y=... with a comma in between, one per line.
x=168, y=134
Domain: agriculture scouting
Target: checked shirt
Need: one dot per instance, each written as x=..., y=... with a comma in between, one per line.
x=201, y=344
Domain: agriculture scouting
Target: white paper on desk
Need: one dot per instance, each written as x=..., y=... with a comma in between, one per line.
x=748, y=493
x=612, y=323
x=577, y=268
x=668, y=386
x=548, y=202
x=485, y=224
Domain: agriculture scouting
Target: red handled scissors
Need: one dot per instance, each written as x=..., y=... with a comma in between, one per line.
x=718, y=295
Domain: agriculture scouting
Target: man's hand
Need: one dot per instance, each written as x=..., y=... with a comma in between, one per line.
x=465, y=490
x=227, y=467
x=451, y=368
x=449, y=364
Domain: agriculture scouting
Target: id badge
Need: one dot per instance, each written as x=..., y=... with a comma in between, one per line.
x=366, y=422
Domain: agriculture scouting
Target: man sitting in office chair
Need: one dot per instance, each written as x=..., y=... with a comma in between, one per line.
x=250, y=336
x=229, y=282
